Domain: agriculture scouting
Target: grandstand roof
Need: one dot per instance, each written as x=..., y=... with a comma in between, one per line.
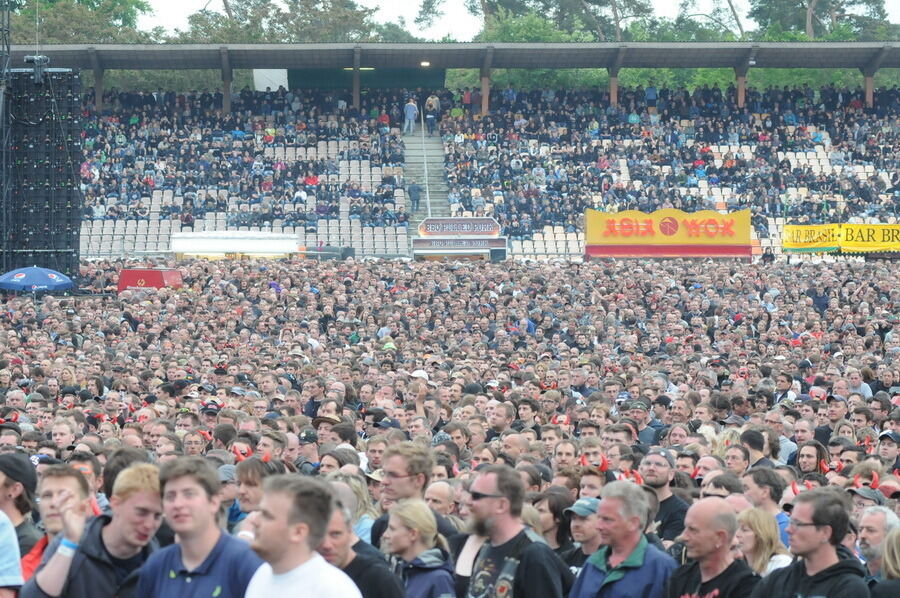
x=866, y=56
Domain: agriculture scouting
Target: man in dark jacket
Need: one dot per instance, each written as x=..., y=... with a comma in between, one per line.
x=819, y=521
x=100, y=558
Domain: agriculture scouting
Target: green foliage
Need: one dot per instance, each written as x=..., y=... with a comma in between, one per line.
x=117, y=13
x=71, y=22
x=290, y=21
x=529, y=27
x=296, y=21
x=431, y=10
x=864, y=18
x=395, y=33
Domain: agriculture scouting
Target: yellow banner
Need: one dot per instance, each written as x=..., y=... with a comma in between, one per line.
x=811, y=239
x=865, y=238
x=667, y=227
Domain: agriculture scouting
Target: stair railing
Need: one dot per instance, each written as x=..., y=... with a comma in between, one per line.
x=425, y=161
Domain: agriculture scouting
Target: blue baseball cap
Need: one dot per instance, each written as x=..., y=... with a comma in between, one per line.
x=584, y=507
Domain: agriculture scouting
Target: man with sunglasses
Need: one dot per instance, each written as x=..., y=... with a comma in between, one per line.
x=515, y=561
x=818, y=524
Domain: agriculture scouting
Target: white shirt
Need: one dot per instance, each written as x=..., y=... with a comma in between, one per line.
x=316, y=577
x=777, y=562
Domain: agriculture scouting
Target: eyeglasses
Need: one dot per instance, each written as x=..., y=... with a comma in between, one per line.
x=396, y=476
x=480, y=495
x=794, y=523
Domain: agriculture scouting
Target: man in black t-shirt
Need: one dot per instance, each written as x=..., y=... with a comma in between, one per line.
x=370, y=574
x=514, y=561
x=709, y=527
x=658, y=470
x=583, y=522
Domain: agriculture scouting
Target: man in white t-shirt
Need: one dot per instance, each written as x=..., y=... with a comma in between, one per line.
x=289, y=525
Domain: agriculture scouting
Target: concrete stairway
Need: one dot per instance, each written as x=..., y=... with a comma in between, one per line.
x=417, y=154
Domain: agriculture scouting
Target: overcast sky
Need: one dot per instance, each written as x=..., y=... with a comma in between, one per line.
x=456, y=22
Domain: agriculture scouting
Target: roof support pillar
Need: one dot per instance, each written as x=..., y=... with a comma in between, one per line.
x=357, y=61
x=486, y=64
x=613, y=70
x=227, y=76
x=97, y=68
x=98, y=91
x=870, y=91
x=485, y=91
x=740, y=77
x=869, y=71
x=226, y=95
x=613, y=87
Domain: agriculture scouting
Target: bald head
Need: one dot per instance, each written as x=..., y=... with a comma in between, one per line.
x=709, y=527
x=738, y=503
x=439, y=497
x=515, y=445
x=719, y=514
x=345, y=495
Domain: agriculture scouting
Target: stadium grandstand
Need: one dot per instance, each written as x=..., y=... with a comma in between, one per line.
x=333, y=168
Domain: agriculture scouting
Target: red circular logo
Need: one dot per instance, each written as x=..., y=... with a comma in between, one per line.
x=19, y=276
x=51, y=276
x=668, y=226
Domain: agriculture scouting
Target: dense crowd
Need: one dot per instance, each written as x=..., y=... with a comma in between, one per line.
x=539, y=158
x=455, y=429
x=181, y=143
x=542, y=157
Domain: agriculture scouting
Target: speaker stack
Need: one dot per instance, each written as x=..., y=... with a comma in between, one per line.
x=42, y=207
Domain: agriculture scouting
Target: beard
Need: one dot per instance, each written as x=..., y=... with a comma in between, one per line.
x=872, y=553
x=655, y=484
x=480, y=527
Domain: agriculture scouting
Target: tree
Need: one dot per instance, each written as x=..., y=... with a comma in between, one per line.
x=291, y=21
x=395, y=33
x=723, y=16
x=306, y=21
x=118, y=13
x=72, y=22
x=430, y=10
x=530, y=27
x=819, y=18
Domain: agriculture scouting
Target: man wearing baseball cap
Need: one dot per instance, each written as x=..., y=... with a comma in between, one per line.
x=639, y=411
x=583, y=524
x=18, y=483
x=889, y=449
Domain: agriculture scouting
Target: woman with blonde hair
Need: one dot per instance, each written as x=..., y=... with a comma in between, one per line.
x=844, y=428
x=412, y=535
x=759, y=541
x=889, y=586
x=727, y=438
x=366, y=511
